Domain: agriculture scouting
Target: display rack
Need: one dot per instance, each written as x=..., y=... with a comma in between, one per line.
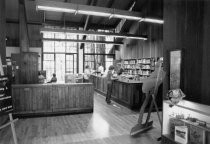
x=142, y=67
x=193, y=116
x=6, y=102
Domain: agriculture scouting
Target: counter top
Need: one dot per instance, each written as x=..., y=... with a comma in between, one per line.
x=49, y=84
x=122, y=80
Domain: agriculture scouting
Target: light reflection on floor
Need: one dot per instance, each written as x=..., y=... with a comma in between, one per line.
x=100, y=126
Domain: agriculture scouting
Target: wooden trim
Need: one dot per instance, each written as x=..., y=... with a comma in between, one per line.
x=83, y=32
x=44, y=114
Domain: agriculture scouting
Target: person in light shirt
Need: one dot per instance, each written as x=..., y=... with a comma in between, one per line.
x=100, y=68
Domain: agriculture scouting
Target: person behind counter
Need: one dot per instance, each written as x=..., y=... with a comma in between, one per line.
x=41, y=78
x=87, y=72
x=110, y=79
x=53, y=79
x=120, y=69
x=100, y=68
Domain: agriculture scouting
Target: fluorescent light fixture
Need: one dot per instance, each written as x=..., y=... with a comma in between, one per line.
x=56, y=9
x=140, y=38
x=158, y=21
x=56, y=6
x=127, y=17
x=95, y=13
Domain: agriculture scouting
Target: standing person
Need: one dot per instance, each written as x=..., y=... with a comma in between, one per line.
x=110, y=79
x=120, y=69
x=100, y=68
x=87, y=73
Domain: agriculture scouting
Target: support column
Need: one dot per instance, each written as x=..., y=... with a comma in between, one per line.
x=23, y=29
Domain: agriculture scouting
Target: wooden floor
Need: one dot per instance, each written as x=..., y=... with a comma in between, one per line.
x=109, y=124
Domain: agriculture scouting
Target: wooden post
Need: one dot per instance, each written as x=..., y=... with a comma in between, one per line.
x=23, y=28
x=13, y=128
x=11, y=123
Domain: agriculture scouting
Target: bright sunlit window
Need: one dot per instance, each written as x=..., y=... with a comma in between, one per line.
x=59, y=57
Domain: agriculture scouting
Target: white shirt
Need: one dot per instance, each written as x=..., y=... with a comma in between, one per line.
x=87, y=73
x=101, y=69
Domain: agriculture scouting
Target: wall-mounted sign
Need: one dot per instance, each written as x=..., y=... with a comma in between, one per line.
x=175, y=69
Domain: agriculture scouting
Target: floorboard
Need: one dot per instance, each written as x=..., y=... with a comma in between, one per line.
x=108, y=124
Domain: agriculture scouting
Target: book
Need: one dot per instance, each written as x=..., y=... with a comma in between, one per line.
x=181, y=134
x=197, y=135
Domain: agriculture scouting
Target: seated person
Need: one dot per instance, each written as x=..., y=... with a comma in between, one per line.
x=40, y=78
x=87, y=74
x=53, y=79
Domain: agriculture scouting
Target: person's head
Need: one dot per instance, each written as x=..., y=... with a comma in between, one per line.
x=87, y=66
x=54, y=75
x=111, y=67
x=99, y=64
x=39, y=73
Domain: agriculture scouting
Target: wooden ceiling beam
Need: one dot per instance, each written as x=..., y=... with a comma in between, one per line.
x=59, y=23
x=86, y=23
x=82, y=32
x=109, y=5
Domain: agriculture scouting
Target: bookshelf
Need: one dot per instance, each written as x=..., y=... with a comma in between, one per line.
x=142, y=67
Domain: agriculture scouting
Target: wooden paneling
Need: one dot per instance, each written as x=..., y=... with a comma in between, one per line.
x=128, y=94
x=2, y=42
x=205, y=88
x=29, y=68
x=27, y=71
x=43, y=99
x=3, y=32
x=153, y=46
x=186, y=27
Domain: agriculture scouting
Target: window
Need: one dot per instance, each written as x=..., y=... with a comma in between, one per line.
x=95, y=53
x=71, y=47
x=49, y=65
x=59, y=57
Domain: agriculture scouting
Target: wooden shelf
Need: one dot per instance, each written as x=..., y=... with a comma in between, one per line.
x=170, y=138
x=192, y=123
x=187, y=109
x=196, y=107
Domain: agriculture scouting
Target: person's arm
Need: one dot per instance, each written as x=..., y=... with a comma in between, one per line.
x=113, y=78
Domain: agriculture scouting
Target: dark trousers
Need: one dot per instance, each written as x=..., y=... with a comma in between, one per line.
x=109, y=92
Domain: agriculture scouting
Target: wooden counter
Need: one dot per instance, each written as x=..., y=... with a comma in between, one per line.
x=50, y=99
x=125, y=93
x=128, y=94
